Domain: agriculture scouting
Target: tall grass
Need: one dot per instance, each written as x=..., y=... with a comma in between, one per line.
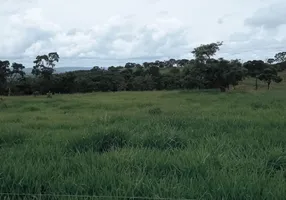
x=194, y=145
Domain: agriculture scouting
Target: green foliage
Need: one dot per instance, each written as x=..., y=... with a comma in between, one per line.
x=255, y=67
x=206, y=51
x=44, y=65
x=203, y=72
x=268, y=75
x=4, y=73
x=280, y=57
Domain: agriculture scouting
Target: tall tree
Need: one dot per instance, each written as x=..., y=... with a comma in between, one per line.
x=270, y=61
x=4, y=73
x=44, y=65
x=16, y=74
x=211, y=73
x=280, y=57
x=206, y=51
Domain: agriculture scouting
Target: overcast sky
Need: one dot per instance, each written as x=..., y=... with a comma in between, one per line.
x=111, y=32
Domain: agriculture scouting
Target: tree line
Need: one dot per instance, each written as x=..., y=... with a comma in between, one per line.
x=202, y=72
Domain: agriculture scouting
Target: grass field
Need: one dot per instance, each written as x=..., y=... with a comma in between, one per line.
x=179, y=144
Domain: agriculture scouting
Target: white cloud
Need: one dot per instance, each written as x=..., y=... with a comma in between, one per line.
x=93, y=32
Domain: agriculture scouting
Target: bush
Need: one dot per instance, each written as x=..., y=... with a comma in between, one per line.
x=99, y=142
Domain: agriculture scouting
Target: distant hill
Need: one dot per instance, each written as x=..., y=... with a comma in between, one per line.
x=62, y=69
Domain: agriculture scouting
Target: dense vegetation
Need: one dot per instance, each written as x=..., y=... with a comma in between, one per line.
x=167, y=144
x=203, y=72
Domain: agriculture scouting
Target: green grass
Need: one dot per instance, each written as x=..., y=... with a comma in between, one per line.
x=179, y=144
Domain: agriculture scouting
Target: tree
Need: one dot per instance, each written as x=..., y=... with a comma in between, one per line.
x=130, y=65
x=139, y=71
x=174, y=70
x=236, y=73
x=206, y=51
x=182, y=63
x=270, y=61
x=4, y=73
x=153, y=71
x=211, y=73
x=159, y=64
x=280, y=57
x=268, y=75
x=146, y=64
x=97, y=68
x=44, y=65
x=15, y=74
x=255, y=68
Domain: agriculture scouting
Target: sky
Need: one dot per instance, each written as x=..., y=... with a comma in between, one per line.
x=86, y=33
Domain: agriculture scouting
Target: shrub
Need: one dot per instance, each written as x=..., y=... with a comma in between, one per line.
x=99, y=142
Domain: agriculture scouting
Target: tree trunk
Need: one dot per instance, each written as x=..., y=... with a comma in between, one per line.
x=9, y=91
x=256, y=84
x=222, y=89
x=268, y=85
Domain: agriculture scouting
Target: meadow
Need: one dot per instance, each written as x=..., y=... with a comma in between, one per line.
x=159, y=144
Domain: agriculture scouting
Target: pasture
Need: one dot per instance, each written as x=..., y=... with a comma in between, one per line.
x=161, y=144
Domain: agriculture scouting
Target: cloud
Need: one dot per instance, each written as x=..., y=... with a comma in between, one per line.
x=92, y=32
x=23, y=31
x=269, y=17
x=117, y=38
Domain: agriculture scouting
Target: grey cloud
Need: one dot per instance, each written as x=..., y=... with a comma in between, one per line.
x=269, y=17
